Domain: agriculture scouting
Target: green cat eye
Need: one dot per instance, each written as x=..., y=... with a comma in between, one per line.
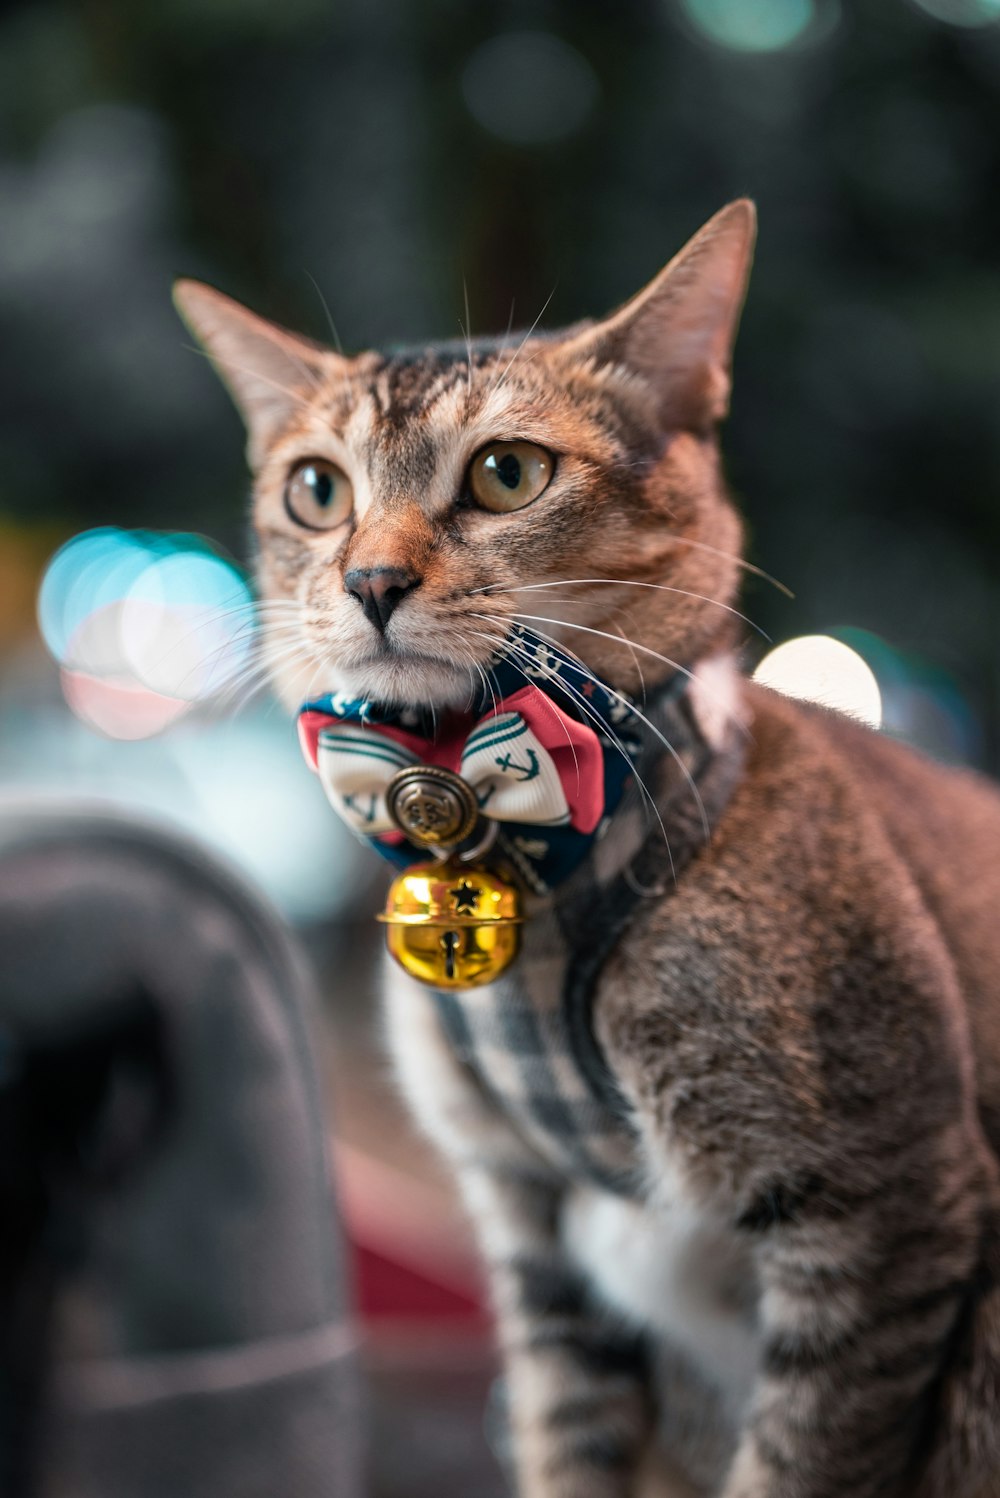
x=509, y=475
x=319, y=495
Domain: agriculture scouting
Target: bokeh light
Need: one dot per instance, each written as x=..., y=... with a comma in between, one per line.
x=143, y=625
x=118, y=708
x=529, y=87
x=751, y=25
x=184, y=624
x=921, y=702
x=962, y=12
x=818, y=668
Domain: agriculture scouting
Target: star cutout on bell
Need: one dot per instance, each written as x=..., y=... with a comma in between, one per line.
x=466, y=897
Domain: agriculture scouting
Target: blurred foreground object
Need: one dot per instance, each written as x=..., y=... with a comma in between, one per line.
x=172, y=1315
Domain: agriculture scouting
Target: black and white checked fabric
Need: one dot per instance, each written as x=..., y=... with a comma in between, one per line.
x=528, y=1037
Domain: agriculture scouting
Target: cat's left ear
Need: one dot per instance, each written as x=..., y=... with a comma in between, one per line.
x=267, y=370
x=678, y=333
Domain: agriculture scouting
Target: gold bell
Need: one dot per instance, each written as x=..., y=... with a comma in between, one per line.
x=453, y=924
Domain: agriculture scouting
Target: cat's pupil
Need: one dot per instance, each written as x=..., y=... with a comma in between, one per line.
x=509, y=471
x=321, y=485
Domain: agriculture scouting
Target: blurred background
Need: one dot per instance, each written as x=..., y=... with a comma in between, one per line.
x=372, y=162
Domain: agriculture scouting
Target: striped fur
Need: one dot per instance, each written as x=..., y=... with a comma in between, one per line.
x=797, y=1296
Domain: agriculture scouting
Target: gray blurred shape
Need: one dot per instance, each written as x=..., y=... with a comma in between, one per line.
x=204, y=1348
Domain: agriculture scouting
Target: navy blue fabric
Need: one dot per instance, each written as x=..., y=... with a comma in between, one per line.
x=545, y=856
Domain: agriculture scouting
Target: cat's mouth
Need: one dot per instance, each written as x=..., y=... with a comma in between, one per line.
x=410, y=678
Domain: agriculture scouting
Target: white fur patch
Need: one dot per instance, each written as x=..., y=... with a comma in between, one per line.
x=717, y=698
x=675, y=1271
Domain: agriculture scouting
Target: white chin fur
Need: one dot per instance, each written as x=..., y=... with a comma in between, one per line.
x=395, y=683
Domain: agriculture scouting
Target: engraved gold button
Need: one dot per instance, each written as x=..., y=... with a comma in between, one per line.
x=431, y=805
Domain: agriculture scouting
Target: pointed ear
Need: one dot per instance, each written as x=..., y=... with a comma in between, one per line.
x=678, y=333
x=266, y=370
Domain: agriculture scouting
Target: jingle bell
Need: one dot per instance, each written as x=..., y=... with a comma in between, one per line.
x=453, y=924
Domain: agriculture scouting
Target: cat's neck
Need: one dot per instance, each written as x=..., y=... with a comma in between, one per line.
x=704, y=724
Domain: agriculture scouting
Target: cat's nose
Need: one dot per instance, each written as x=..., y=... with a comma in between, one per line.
x=379, y=590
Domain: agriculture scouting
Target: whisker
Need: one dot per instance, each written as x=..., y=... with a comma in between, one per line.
x=467, y=331
x=499, y=382
x=588, y=629
x=632, y=707
x=726, y=556
x=293, y=395
x=238, y=636
x=620, y=582
x=666, y=744
x=472, y=685
x=488, y=683
x=236, y=704
x=635, y=658
x=510, y=324
x=586, y=708
x=499, y=644
x=323, y=303
x=263, y=666
x=740, y=562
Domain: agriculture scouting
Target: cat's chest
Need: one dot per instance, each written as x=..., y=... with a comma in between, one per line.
x=529, y=1044
x=679, y=1270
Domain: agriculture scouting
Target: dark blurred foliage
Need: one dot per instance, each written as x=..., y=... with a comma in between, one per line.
x=296, y=150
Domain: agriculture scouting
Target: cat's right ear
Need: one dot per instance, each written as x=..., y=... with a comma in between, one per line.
x=677, y=335
x=267, y=371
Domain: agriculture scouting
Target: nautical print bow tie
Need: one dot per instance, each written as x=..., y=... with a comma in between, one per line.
x=547, y=749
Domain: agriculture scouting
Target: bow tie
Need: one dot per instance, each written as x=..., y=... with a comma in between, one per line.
x=547, y=749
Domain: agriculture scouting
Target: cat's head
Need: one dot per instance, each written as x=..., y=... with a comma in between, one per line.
x=409, y=508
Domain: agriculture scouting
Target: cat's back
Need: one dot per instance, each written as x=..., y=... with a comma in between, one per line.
x=943, y=823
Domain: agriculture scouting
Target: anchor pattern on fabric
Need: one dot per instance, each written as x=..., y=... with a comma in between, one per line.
x=364, y=813
x=525, y=772
x=547, y=749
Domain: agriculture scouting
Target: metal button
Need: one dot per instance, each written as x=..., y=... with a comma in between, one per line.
x=431, y=805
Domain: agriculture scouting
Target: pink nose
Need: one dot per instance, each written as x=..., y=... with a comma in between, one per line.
x=379, y=590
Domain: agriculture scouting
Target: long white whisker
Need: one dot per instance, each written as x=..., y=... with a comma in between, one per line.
x=244, y=631
x=263, y=666
x=254, y=374
x=509, y=645
x=588, y=629
x=619, y=582
x=740, y=562
x=500, y=644
x=499, y=381
x=635, y=658
x=333, y=327
x=467, y=330
x=586, y=708
x=641, y=716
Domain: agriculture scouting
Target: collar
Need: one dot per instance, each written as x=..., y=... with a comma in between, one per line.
x=548, y=748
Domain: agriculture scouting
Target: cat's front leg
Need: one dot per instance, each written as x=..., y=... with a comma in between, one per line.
x=577, y=1394
x=862, y=1301
x=578, y=1400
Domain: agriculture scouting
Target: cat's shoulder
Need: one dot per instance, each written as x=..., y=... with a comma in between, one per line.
x=805, y=748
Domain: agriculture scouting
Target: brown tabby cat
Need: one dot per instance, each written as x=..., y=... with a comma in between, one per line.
x=774, y=1260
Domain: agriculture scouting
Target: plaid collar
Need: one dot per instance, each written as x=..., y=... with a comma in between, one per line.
x=548, y=748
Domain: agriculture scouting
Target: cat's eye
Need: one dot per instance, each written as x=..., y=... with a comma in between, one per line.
x=509, y=475
x=319, y=495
